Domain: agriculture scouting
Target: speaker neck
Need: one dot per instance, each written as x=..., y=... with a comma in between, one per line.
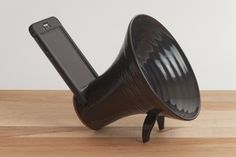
x=119, y=92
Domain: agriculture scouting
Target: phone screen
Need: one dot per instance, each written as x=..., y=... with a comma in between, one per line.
x=67, y=56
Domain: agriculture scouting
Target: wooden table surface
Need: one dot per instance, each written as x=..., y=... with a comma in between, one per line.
x=43, y=123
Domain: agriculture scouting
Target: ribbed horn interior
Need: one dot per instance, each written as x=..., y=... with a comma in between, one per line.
x=165, y=66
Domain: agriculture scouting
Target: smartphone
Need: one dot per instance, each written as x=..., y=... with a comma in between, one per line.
x=63, y=53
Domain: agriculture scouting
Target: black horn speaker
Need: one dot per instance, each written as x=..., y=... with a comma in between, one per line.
x=151, y=75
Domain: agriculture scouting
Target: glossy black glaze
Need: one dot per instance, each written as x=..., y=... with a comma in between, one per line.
x=151, y=72
x=165, y=66
x=121, y=91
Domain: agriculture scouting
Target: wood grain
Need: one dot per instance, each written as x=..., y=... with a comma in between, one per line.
x=43, y=123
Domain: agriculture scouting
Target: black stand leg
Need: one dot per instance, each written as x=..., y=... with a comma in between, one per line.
x=149, y=122
x=160, y=122
x=147, y=126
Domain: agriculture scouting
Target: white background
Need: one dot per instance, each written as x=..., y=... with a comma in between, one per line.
x=205, y=29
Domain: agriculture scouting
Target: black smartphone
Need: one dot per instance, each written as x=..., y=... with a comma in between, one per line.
x=63, y=53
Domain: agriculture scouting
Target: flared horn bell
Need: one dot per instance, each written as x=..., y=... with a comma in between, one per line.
x=151, y=75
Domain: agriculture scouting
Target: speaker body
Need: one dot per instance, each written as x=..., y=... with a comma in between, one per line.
x=151, y=75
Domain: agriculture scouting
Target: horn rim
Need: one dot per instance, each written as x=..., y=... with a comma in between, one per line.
x=163, y=104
